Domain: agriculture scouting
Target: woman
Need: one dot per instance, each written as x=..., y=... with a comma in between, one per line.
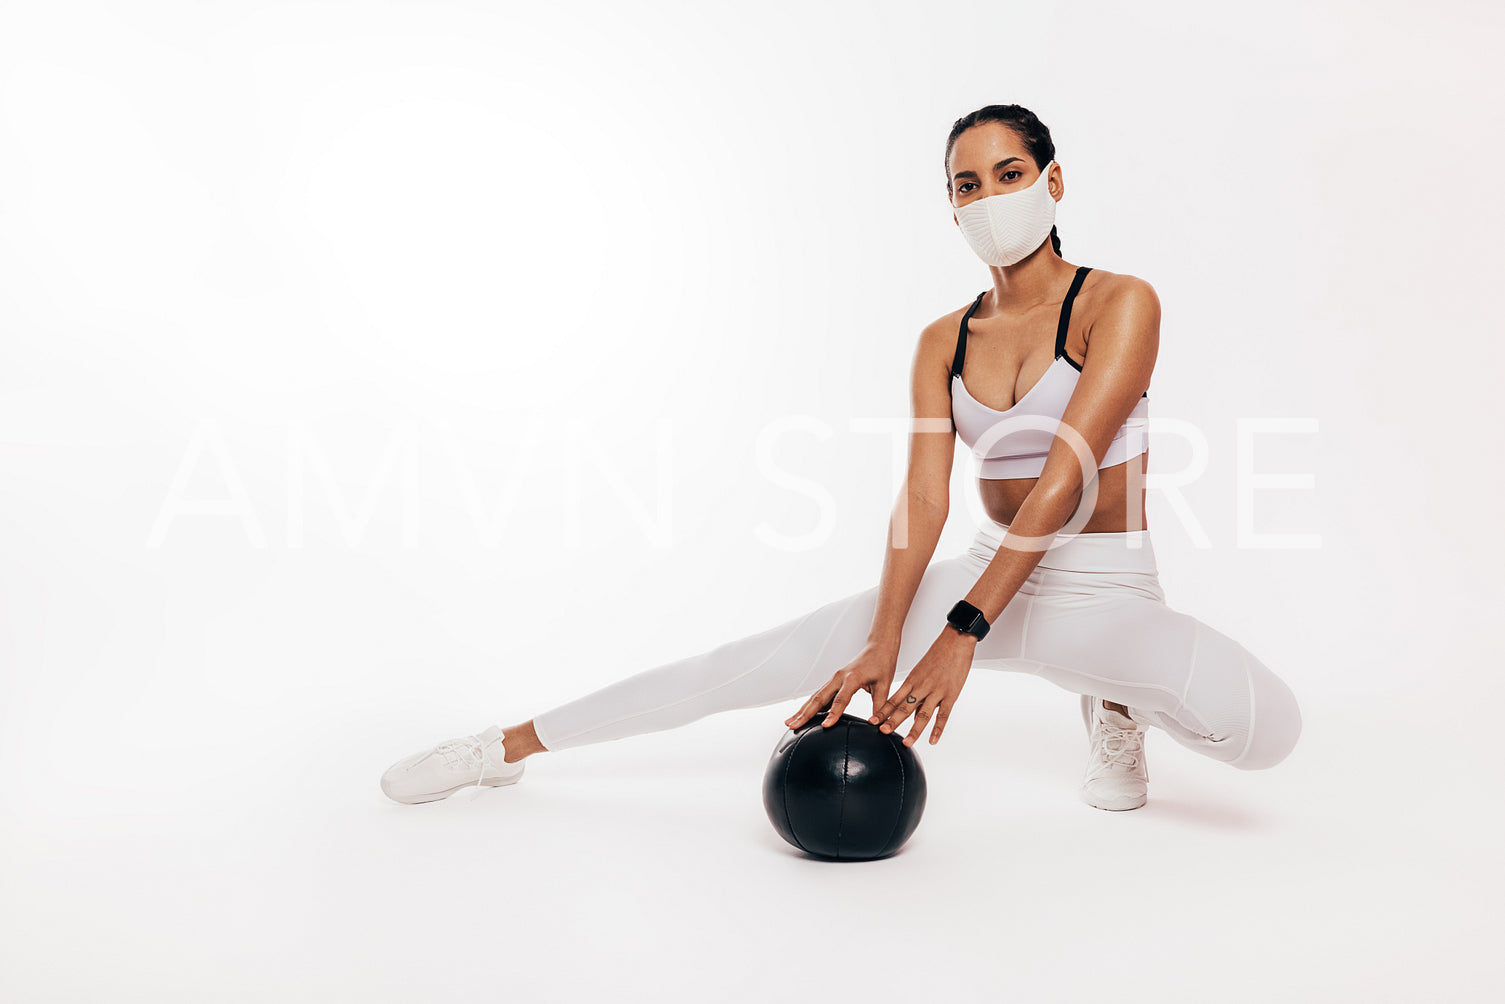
x=1060, y=579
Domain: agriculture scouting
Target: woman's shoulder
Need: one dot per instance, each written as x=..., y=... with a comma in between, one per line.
x=1106, y=290
x=1119, y=300
x=949, y=325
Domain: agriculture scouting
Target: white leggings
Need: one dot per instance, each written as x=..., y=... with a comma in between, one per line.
x=1091, y=618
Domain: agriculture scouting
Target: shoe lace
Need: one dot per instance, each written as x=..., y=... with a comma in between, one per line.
x=465, y=752
x=1118, y=746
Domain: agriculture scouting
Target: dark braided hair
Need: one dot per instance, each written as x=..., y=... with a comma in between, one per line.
x=1031, y=131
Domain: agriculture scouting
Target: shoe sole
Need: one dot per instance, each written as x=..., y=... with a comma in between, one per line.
x=437, y=795
x=1114, y=806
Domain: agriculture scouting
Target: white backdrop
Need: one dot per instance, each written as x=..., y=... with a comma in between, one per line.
x=374, y=372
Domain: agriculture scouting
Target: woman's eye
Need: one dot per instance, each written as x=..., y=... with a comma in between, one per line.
x=1007, y=173
x=963, y=186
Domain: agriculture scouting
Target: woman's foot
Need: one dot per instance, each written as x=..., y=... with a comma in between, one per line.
x=1116, y=777
x=469, y=761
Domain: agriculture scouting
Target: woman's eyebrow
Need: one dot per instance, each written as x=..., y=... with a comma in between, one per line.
x=973, y=174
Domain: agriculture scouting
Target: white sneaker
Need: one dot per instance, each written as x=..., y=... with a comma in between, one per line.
x=1116, y=777
x=453, y=764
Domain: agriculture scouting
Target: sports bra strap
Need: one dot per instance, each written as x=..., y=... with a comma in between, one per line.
x=1061, y=326
x=961, y=336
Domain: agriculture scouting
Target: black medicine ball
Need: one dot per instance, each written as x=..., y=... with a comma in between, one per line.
x=847, y=792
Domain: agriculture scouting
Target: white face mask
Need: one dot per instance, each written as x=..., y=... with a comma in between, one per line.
x=1002, y=229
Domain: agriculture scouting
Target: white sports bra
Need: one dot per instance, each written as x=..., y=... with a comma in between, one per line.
x=1021, y=452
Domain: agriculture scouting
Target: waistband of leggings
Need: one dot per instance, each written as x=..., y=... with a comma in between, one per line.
x=1125, y=551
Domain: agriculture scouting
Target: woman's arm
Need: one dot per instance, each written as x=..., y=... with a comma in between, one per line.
x=1116, y=371
x=920, y=511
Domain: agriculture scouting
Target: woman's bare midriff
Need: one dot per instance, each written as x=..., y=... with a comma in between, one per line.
x=1119, y=506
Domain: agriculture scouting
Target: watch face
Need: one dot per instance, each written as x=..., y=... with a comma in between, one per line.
x=968, y=619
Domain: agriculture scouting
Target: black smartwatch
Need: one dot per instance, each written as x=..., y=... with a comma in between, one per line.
x=968, y=620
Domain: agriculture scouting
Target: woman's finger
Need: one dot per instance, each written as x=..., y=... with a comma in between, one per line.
x=922, y=714
x=806, y=709
x=839, y=702
x=815, y=703
x=942, y=712
x=904, y=706
x=888, y=707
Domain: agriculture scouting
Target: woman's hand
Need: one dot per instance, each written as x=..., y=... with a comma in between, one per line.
x=931, y=687
x=873, y=670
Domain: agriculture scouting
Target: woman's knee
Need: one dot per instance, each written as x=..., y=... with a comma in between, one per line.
x=1274, y=721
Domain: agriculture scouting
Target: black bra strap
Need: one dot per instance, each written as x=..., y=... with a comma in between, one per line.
x=961, y=336
x=1061, y=326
